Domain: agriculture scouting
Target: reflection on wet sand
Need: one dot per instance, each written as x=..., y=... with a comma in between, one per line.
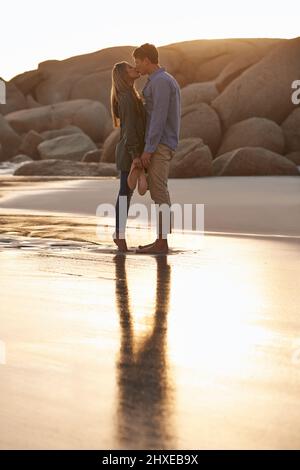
x=106, y=351
x=144, y=410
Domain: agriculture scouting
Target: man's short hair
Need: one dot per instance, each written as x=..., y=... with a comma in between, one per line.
x=146, y=50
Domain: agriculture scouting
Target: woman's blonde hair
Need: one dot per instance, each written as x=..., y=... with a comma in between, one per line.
x=120, y=85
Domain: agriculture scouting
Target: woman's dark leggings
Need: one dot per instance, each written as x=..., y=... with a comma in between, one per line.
x=122, y=205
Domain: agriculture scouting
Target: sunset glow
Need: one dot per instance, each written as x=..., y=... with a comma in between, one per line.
x=62, y=29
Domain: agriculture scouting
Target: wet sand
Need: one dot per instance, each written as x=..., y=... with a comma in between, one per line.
x=197, y=350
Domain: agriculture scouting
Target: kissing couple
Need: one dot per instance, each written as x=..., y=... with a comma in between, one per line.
x=149, y=135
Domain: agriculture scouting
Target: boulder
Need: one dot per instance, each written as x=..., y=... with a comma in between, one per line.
x=31, y=102
x=68, y=130
x=9, y=139
x=107, y=169
x=200, y=120
x=27, y=82
x=65, y=168
x=264, y=89
x=236, y=67
x=21, y=159
x=204, y=59
x=294, y=157
x=88, y=76
x=253, y=132
x=92, y=156
x=94, y=86
x=29, y=144
x=198, y=93
x=15, y=99
x=192, y=159
x=109, y=146
x=80, y=77
x=291, y=129
x=90, y=116
x=68, y=147
x=253, y=161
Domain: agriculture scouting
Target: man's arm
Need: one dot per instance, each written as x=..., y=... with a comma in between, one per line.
x=161, y=92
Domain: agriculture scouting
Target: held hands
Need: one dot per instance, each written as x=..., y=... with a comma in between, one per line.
x=143, y=161
x=137, y=162
x=146, y=159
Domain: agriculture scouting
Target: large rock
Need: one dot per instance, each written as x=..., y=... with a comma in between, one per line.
x=68, y=130
x=200, y=120
x=9, y=140
x=90, y=116
x=28, y=81
x=192, y=158
x=237, y=66
x=83, y=76
x=89, y=75
x=203, y=60
x=253, y=132
x=14, y=99
x=107, y=169
x=65, y=168
x=264, y=89
x=92, y=156
x=294, y=157
x=30, y=143
x=21, y=158
x=253, y=161
x=31, y=102
x=198, y=93
x=94, y=86
x=68, y=147
x=109, y=146
x=291, y=129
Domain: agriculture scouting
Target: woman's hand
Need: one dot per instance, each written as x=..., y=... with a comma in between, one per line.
x=146, y=159
x=137, y=163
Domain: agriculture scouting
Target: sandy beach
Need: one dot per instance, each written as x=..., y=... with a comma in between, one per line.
x=266, y=205
x=199, y=350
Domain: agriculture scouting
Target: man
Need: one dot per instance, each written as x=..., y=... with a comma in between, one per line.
x=162, y=97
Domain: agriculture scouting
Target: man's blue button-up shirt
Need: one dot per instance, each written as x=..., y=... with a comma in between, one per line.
x=162, y=100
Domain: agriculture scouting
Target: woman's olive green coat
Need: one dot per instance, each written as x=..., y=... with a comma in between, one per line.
x=132, y=135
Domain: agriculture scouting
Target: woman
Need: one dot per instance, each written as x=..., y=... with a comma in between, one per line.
x=128, y=113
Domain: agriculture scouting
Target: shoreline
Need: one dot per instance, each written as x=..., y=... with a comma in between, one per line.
x=258, y=206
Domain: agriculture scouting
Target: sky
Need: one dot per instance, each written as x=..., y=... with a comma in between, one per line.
x=33, y=31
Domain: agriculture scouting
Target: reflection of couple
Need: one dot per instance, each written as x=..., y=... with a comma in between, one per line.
x=145, y=391
x=148, y=139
